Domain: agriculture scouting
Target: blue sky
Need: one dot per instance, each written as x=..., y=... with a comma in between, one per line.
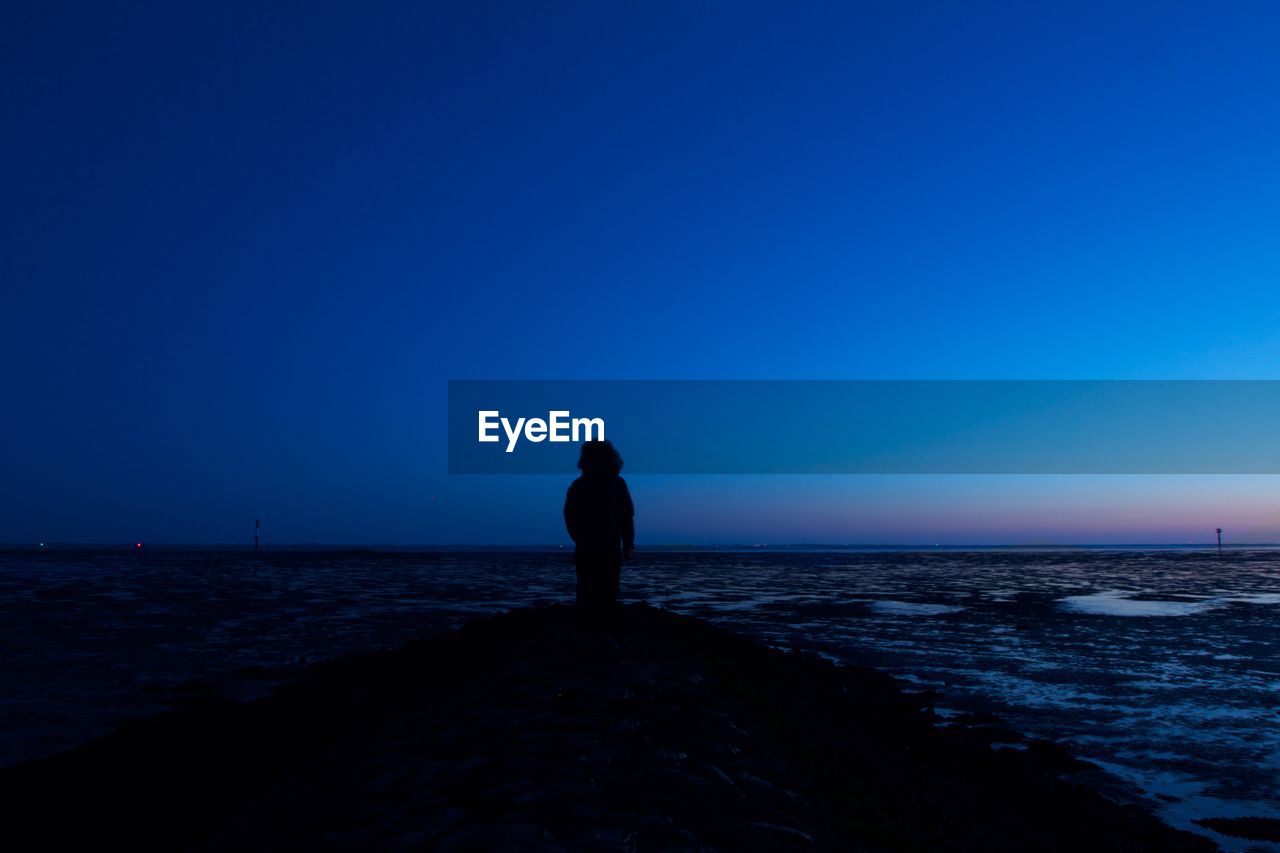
x=243, y=249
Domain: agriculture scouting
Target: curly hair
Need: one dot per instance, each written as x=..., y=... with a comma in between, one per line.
x=599, y=457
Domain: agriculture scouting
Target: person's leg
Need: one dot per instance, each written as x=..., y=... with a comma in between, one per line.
x=611, y=580
x=593, y=584
x=582, y=589
x=597, y=592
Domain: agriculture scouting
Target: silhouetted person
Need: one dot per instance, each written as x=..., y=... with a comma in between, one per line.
x=600, y=517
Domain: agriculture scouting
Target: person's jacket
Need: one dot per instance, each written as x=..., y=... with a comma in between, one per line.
x=599, y=515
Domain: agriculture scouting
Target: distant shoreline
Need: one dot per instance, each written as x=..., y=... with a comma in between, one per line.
x=799, y=548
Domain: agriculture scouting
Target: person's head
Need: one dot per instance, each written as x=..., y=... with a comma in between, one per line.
x=599, y=457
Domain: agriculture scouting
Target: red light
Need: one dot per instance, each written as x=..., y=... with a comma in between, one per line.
x=139, y=545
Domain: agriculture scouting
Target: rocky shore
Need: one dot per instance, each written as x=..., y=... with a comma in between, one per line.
x=531, y=730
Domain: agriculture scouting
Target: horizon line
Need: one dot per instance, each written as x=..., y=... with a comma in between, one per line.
x=666, y=546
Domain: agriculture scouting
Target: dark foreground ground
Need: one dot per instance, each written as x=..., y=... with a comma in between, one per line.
x=526, y=731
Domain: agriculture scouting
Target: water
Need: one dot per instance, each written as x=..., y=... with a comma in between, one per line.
x=1161, y=665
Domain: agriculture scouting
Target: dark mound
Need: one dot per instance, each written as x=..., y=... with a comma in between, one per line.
x=1252, y=828
x=526, y=731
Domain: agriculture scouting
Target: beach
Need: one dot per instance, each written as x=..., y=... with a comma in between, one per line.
x=1157, y=664
x=532, y=730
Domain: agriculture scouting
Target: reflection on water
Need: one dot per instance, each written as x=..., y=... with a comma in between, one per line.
x=1121, y=603
x=913, y=608
x=1163, y=666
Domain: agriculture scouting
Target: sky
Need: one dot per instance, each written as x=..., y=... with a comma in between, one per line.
x=245, y=246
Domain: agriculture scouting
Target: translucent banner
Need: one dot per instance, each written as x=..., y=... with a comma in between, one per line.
x=869, y=427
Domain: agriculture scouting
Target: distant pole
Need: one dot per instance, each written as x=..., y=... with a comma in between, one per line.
x=1219, y=540
x=257, y=526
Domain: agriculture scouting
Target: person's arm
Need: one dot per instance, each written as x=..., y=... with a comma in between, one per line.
x=627, y=513
x=571, y=511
